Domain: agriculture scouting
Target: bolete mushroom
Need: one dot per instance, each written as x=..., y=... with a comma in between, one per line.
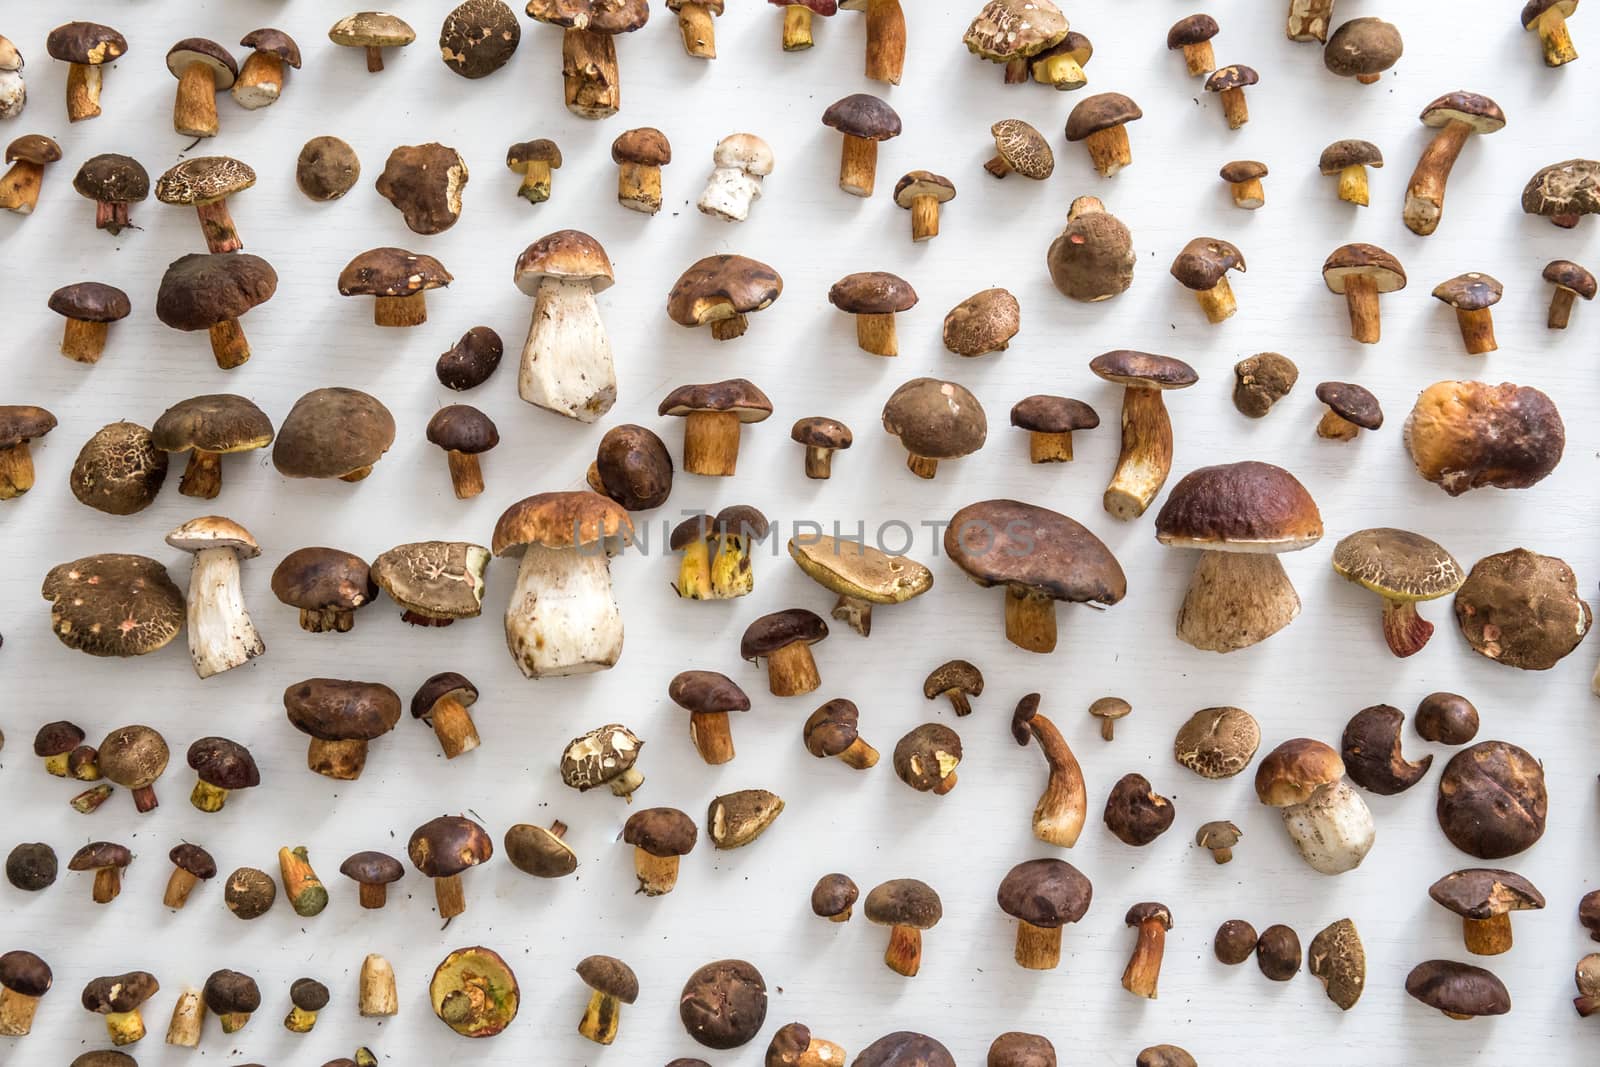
x=1260, y=381
x=708, y=697
x=221, y=767
x=904, y=1047
x=13, y=89
x=1146, y=456
x=723, y=1004
x=203, y=69
x=1338, y=960
x=908, y=907
x=821, y=438
x=107, y=860
x=209, y=427
x=926, y=758
x=464, y=433
x=1548, y=18
x=1016, y=1049
x=533, y=161
x=956, y=680
x=1192, y=36
x=1101, y=123
x=118, y=997
x=1466, y=435
x=1218, y=837
x=479, y=37
x=921, y=192
x=1360, y=272
x=612, y=984
x=377, y=997
x=1108, y=710
x=1202, y=267
x=433, y=582
x=28, y=156
x=373, y=31
x=874, y=297
x=639, y=155
x=1012, y=32
x=591, y=81
x=327, y=585
x=1244, y=182
x=1135, y=813
x=1472, y=296
x=1021, y=149
x=604, y=756
x=1330, y=824
x=333, y=433
x=191, y=865
x=860, y=575
x=1458, y=990
x=982, y=323
x=1043, y=895
x=373, y=873
x=113, y=605
x=134, y=757
x=400, y=281
x=24, y=980
x=115, y=183
x=797, y=20
x=864, y=120
x=443, y=849
x=739, y=163
x=734, y=820
x=441, y=704
x=54, y=743
x=566, y=366
x=1061, y=65
x=1571, y=281
x=1092, y=259
x=474, y=992
x=261, y=79
x=720, y=291
x=1522, y=609
x=1059, y=816
x=326, y=168
x=1363, y=49
x=713, y=415
x=1586, y=976
x=1309, y=19
x=1229, y=83
x=20, y=424
x=833, y=731
x=541, y=851
x=784, y=640
x=1050, y=422
x=425, y=183
x=471, y=361
x=1404, y=568
x=1370, y=748
x=307, y=998
x=1349, y=159
x=834, y=898
x=1456, y=116
x=232, y=997
x=659, y=836
x=935, y=420
x=31, y=866
x=794, y=1046
x=341, y=718
x=212, y=292
x=1278, y=953
x=1143, y=973
x=89, y=308
x=1485, y=898
x=249, y=893
x=1446, y=719
x=205, y=183
x=87, y=46
x=1351, y=409
x=1564, y=192
x=221, y=635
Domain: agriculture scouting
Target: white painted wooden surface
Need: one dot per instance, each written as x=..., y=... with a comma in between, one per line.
x=753, y=903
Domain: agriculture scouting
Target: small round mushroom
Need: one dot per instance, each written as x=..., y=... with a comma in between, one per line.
x=113, y=604
x=134, y=757
x=784, y=640
x=1492, y=800
x=612, y=984
x=865, y=120
x=659, y=836
x=1361, y=272
x=874, y=297
x=1217, y=743
x=639, y=155
x=1136, y=813
x=709, y=697
x=1192, y=35
x=119, y=997
x=1522, y=609
x=1108, y=710
x=739, y=164
x=54, y=743
x=1043, y=895
x=249, y=893
x=203, y=69
x=327, y=586
x=191, y=865
x=1349, y=159
x=982, y=323
x=834, y=898
x=723, y=1004
x=326, y=168
x=232, y=997
x=434, y=582
x=28, y=156
x=307, y=997
x=832, y=731
x=921, y=192
x=471, y=361
x=1235, y=942
x=1564, y=192
x=1012, y=32
x=797, y=19
x=1244, y=179
x=1472, y=295
x=1371, y=752
x=1485, y=898
x=1571, y=281
x=534, y=160
x=734, y=820
x=1101, y=123
x=1363, y=49
x=1403, y=568
x=1260, y=381
x=1548, y=18
x=956, y=680
x=1202, y=267
x=31, y=866
x=443, y=849
x=221, y=766
x=212, y=293
x=935, y=420
x=1020, y=149
x=541, y=851
x=1446, y=719
x=341, y=718
x=860, y=575
x=1465, y=435
x=115, y=183
x=333, y=433
x=20, y=424
x=261, y=79
x=400, y=281
x=908, y=907
x=464, y=433
x=1459, y=990
x=89, y=308
x=1063, y=807
x=1218, y=838
x=603, y=756
x=720, y=291
x=205, y=183
x=479, y=37
x=821, y=437
x=24, y=980
x=926, y=758
x=1092, y=259
x=441, y=704
x=425, y=183
x=373, y=31
x=1278, y=953
x=1016, y=1049
x=107, y=860
x=1351, y=409
x=1229, y=83
x=1330, y=824
x=1456, y=116
x=221, y=633
x=1050, y=422
x=86, y=46
x=373, y=872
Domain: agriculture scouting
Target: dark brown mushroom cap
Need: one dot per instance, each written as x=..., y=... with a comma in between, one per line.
x=1571, y=187
x=193, y=860
x=596, y=16
x=33, y=148
x=863, y=115
x=25, y=974
x=1522, y=609
x=1397, y=564
x=97, y=855
x=1204, y=261
x=372, y=868
x=1053, y=414
x=1365, y=261
x=904, y=1048
x=57, y=739
x=308, y=994
x=1371, y=750
x=984, y=322
x=1569, y=275
x=538, y=851
x=113, y=605
x=204, y=180
x=1447, y=719
x=609, y=975
x=1241, y=507
x=86, y=43
x=597, y=757
x=645, y=147
x=448, y=845
x=192, y=50
x=1194, y=29
x=90, y=302
x=779, y=630
x=1458, y=988
x=927, y=755
x=333, y=710
x=741, y=520
x=719, y=287
x=904, y=902
x=661, y=832
x=478, y=37
x=1136, y=813
x=1233, y=76
x=1007, y=542
x=457, y=687
x=872, y=293
x=957, y=674
x=832, y=728
x=723, y=1004
x=1484, y=893
x=331, y=432
x=1362, y=47
x=1492, y=800
x=21, y=423
x=1164, y=1056
x=833, y=894
x=112, y=179
x=319, y=578
x=788, y=1045
x=1349, y=153
x=227, y=992
x=217, y=422
x=1100, y=112
x=274, y=43
x=819, y=431
x=738, y=395
x=1048, y=893
x=543, y=150
x=634, y=467
x=694, y=529
x=707, y=691
x=472, y=360
x=1023, y=148
x=1477, y=111
x=462, y=428
x=1466, y=435
x=1143, y=370
x=223, y=763
x=119, y=993
x=1352, y=403
x=388, y=271
x=1151, y=911
x=1017, y=1049
x=1242, y=170
x=916, y=184
x=1534, y=8
x=1469, y=292
x=936, y=419
x=202, y=289
x=133, y=756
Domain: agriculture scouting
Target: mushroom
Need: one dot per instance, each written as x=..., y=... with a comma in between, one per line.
x=377, y=997
x=326, y=168
x=1167, y=1055
x=639, y=155
x=1020, y=149
x=921, y=192
x=633, y=467
x=341, y=717
x=659, y=836
x=1446, y=719
x=425, y=183
x=907, y=907
x=114, y=182
x=471, y=361
x=1403, y=568
x=1061, y=65
x=904, y=1047
x=1202, y=266
x=784, y=640
x=24, y=980
x=1192, y=35
x=956, y=680
x=1361, y=272
x=209, y=427
x=191, y=865
x=1136, y=813
x=1456, y=116
x=326, y=585
x=1459, y=990
x=113, y=604
x=1016, y=1049
x=1465, y=435
x=107, y=860
x=211, y=293
x=1363, y=49
x=709, y=697
x=31, y=866
x=1485, y=898
x=719, y=291
x=54, y=743
x=1040, y=557
x=441, y=704
x=797, y=18
x=1588, y=913
x=1092, y=258
x=1587, y=978
x=1522, y=609
x=221, y=635
x=591, y=81
x=1328, y=821
x=1472, y=295
x=307, y=997
x=926, y=758
x=372, y=872
x=249, y=893
x=1050, y=422
x=612, y=984
x=821, y=437
x=1063, y=806
x=1337, y=958
x=1014, y=31
x=434, y=582
x=1043, y=895
x=864, y=120
x=86, y=46
x=399, y=279
x=1371, y=752
x=307, y=895
x=567, y=365
x=1278, y=953
x=203, y=69
x=1108, y=710
x=723, y=1004
x=534, y=160
x=205, y=183
x=541, y=851
x=874, y=297
x=474, y=992
x=464, y=433
x=736, y=528
x=1548, y=18
x=562, y=618
x=1144, y=967
x=713, y=414
x=1218, y=838
x=1308, y=19
x=793, y=1046
x=1244, y=179
x=603, y=756
x=935, y=420
x=261, y=79
x=982, y=323
x=89, y=308
x=1571, y=281
x=134, y=757
x=1260, y=381
x=834, y=898
x=232, y=997
x=13, y=89
x=734, y=820
x=333, y=433
x=1350, y=159
x=373, y=31
x=20, y=424
x=1146, y=456
x=28, y=156
x=221, y=766
x=118, y=997
x=1564, y=192
x=833, y=731
x=443, y=849
x=1351, y=409
x=1100, y=122
x=479, y=37
x=859, y=575
x=740, y=162
x=1239, y=595
x=1228, y=83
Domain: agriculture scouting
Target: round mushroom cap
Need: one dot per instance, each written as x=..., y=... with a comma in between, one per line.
x=1218, y=834
x=191, y=50
x=308, y=994
x=448, y=845
x=1053, y=414
x=818, y=431
x=99, y=855
x=315, y=579
x=1004, y=30
x=1233, y=76
x=1522, y=609
x=1569, y=275
x=904, y=902
x=1047, y=893
x=925, y=757
x=781, y=629
x=597, y=16
x=194, y=860
x=917, y=184
x=119, y=993
x=609, y=975
x=1239, y=507
x=1363, y=261
x=1007, y=542
x=57, y=739
x=201, y=290
x=462, y=428
x=133, y=756
x=113, y=1058
x=1194, y=29
x=859, y=571
x=112, y=179
x=563, y=520
x=982, y=323
x=904, y=1048
x=1493, y=801
x=1469, y=292
x=738, y=395
x=720, y=287
x=228, y=991
x=1291, y=773
x=661, y=832
x=872, y=293
x=634, y=467
x=85, y=43
x=1397, y=564
x=1143, y=370
x=326, y=168
x=332, y=432
x=392, y=272
x=1352, y=403
x=645, y=147
x=1243, y=170
x=90, y=302
x=214, y=531
x=21, y=423
x=1203, y=262
x=1017, y=1049
x=538, y=851
x=372, y=868
x=595, y=758
x=25, y=974
x=743, y=151
x=31, y=866
x=566, y=255
x=936, y=419
x=1164, y=1056
x=439, y=579
x=1349, y=153
x=218, y=423
x=956, y=675
x=333, y=710
x=724, y=1004
x=707, y=692
x=863, y=115
x=832, y=729
x=1112, y=708
x=1362, y=47
x=113, y=605
x=372, y=29
x=1571, y=187
x=204, y=180
x=1466, y=435
x=1023, y=149
x=1534, y=8
x=1479, y=112
x=274, y=43
x=1100, y=112
x=223, y=763
x=833, y=895
x=478, y=37
x=446, y=684
x=33, y=148
x=543, y=150
x=1484, y=893
x=1458, y=988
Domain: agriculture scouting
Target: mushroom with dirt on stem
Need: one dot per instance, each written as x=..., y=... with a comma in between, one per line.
x=1548, y=18
x=28, y=156
x=205, y=183
x=935, y=420
x=115, y=183
x=307, y=997
x=261, y=79
x=441, y=704
x=372, y=31
x=713, y=415
x=1456, y=116
x=865, y=120
x=1244, y=181
x=1459, y=990
x=24, y=980
x=709, y=697
x=720, y=292
x=134, y=757
x=784, y=640
x=926, y=758
x=1361, y=272
x=1472, y=295
x=1050, y=422
x=1108, y=710
x=659, y=836
x=859, y=575
x=1349, y=159
x=1404, y=568
x=1136, y=813
x=833, y=731
x=1564, y=192
x=533, y=161
x=464, y=433
x=373, y=873
x=1044, y=896
x=1328, y=821
x=1363, y=49
x=433, y=582
x=112, y=604
x=1229, y=84
x=737, y=819
x=540, y=851
x=697, y=26
x=212, y=292
x=107, y=860
x=1101, y=123
x=1218, y=838
x=86, y=46
x=821, y=438
x=1371, y=750
x=834, y=898
x=443, y=849
x=591, y=82
x=341, y=718
x=232, y=997
x=603, y=756
x=327, y=585
x=221, y=635
x=1012, y=32
x=377, y=997
x=1571, y=281
x=1192, y=36
x=921, y=192
x=639, y=155
x=333, y=433
x=1485, y=898
x=567, y=365
x=1143, y=973
x=399, y=280
x=203, y=69
x=1059, y=816
x=209, y=427
x=191, y=865
x=89, y=308
x=956, y=680
x=908, y=907
x=221, y=766
x=119, y=997
x=1202, y=266
x=1351, y=409
x=612, y=984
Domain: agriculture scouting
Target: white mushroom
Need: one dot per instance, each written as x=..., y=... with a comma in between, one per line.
x=741, y=161
x=13, y=91
x=1326, y=818
x=221, y=635
x=566, y=361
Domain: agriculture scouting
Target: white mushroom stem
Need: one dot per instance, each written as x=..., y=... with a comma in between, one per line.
x=729, y=193
x=1333, y=830
x=221, y=635
x=563, y=618
x=566, y=361
x=188, y=1019
x=1146, y=457
x=14, y=93
x=1235, y=600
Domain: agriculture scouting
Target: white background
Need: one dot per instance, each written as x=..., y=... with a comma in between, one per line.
x=1306, y=681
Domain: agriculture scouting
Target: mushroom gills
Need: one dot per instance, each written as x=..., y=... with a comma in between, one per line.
x=221, y=635
x=563, y=618
x=1235, y=600
x=567, y=365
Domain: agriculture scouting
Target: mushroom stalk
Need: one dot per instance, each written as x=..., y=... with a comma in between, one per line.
x=1235, y=108
x=300, y=1021
x=639, y=187
x=216, y=224
x=694, y=573
x=229, y=345
x=1038, y=947
x=1144, y=967
x=904, y=954
x=83, y=341
x=125, y=1027
x=1560, y=309
x=1333, y=830
x=1554, y=37
x=466, y=474
x=713, y=739
x=924, y=219
x=1146, y=457
x=657, y=875
x=179, y=886
x=112, y=217
x=107, y=884
x=1487, y=937
x=728, y=194
x=1405, y=631
x=536, y=181
x=924, y=467
x=453, y=726
x=19, y=187
x=1109, y=149
x=600, y=1018
x=563, y=618
x=1477, y=330
x=858, y=166
x=449, y=895
x=1059, y=816
x=83, y=91
x=194, y=112
x=1249, y=194
x=1308, y=20
x=1200, y=58
x=1235, y=600
x=341, y=760
x=819, y=461
x=202, y=477
x=792, y=671
x=260, y=81
x=886, y=41
x=1061, y=71
x=16, y=1013
x=1016, y=72
x=567, y=366
x=1353, y=185
x=1425, y=196
x=699, y=32
x=1361, y=299
x=589, y=74
x=732, y=576
x=16, y=471
x=876, y=334
x=188, y=1020
x=90, y=800
x=401, y=311
x=378, y=997
x=1030, y=619
x=711, y=438
x=1049, y=447
x=797, y=28
x=1335, y=427
x=374, y=58
x=855, y=613
x=221, y=635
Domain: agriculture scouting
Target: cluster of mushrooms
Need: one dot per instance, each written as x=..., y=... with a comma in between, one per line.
x=1516, y=607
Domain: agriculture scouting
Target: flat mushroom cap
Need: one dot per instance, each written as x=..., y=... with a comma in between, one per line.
x=333, y=710
x=1100, y=112
x=1569, y=275
x=392, y=272
x=597, y=16
x=542, y=150
x=832, y=894
x=1349, y=153
x=215, y=422
x=1242, y=170
x=85, y=43
x=566, y=255
x=113, y=1058
x=119, y=993
x=1233, y=76
x=818, y=431
x=1017, y=1049
x=113, y=605
x=1466, y=435
x=214, y=531
x=462, y=428
x=904, y=902
x=1522, y=609
x=200, y=290
x=779, y=630
x=1352, y=403
x=645, y=146
x=372, y=29
x=860, y=572
x=20, y=423
x=863, y=115
x=917, y=184
x=274, y=43
x=98, y=855
x=204, y=179
x=1239, y=507
x=90, y=302
x=563, y=520
x=904, y=1048
x=448, y=845
x=319, y=578
x=1203, y=262
x=1397, y=564
x=1014, y=29
x=609, y=975
x=707, y=691
x=1047, y=893
x=1034, y=549
x=1362, y=47
x=936, y=419
x=720, y=287
x=1484, y=893
x=1366, y=261
x=1295, y=770
x=192, y=50
x=1194, y=29
x=332, y=432
x=194, y=860
x=723, y=1004
x=1053, y=414
x=24, y=973
x=372, y=868
x=872, y=293
x=984, y=322
x=1493, y=801
x=113, y=179
x=223, y=763
x=1023, y=149
x=957, y=674
x=440, y=579
x=1479, y=112
x=1469, y=292
x=57, y=738
x=832, y=728
x=1458, y=988
x=479, y=37
x=536, y=850
x=458, y=687
x=33, y=148
x=738, y=395
x=1571, y=187
x=660, y=832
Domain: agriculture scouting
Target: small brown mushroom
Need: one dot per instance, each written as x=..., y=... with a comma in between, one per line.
x=326, y=585
x=926, y=758
x=541, y=851
x=307, y=997
x=834, y=898
x=1217, y=743
x=326, y=168
x=1587, y=978
x=734, y=820
x=87, y=46
x=1235, y=942
x=1472, y=295
x=533, y=161
x=1143, y=972
x=107, y=860
x=211, y=293
x=1349, y=159
x=249, y=893
x=1363, y=49
x=821, y=437
x=134, y=757
x=1459, y=990
x=433, y=582
x=1202, y=267
x=89, y=308
x=794, y=1046
x=1522, y=609
x=341, y=718
x=1485, y=898
x=1351, y=409
x=1456, y=116
x=921, y=192
x=1589, y=913
x=1337, y=958
x=1446, y=719
x=1548, y=18
x=956, y=680
x=864, y=120
x=221, y=766
x=471, y=360
x=205, y=183
x=659, y=836
x=1229, y=83
x=232, y=997
x=203, y=69
x=1371, y=752
x=115, y=183
x=908, y=907
x=874, y=297
x=1136, y=813
x=261, y=79
x=1260, y=381
x=1063, y=807
x=464, y=433
x=400, y=281
x=1361, y=272
x=720, y=292
x=604, y=756
x=784, y=640
x=119, y=997
x=1244, y=180
x=833, y=731
x=209, y=427
x=55, y=742
x=1016, y=1049
x=709, y=697
x=1108, y=710
x=28, y=156
x=639, y=155
x=373, y=31
x=723, y=1004
x=1492, y=800
x=445, y=848
x=1278, y=953
x=1146, y=456
x=373, y=873
x=1043, y=896
x=441, y=704
x=1050, y=422
x=333, y=433
x=1218, y=838
x=1092, y=259
x=1571, y=281
x=935, y=420
x=1101, y=123
x=24, y=980
x=1061, y=65
x=1020, y=149
x=1192, y=35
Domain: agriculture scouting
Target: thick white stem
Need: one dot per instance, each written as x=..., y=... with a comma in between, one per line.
x=221, y=635
x=1333, y=830
x=566, y=361
x=13, y=94
x=563, y=618
x=729, y=194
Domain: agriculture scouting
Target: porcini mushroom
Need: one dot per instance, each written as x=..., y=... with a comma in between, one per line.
x=191, y=865
x=307, y=997
x=1548, y=18
x=221, y=766
x=1309, y=19
x=534, y=160
x=603, y=756
x=860, y=575
x=211, y=293
x=333, y=433
x=479, y=37
x=821, y=437
x=904, y=1047
x=1217, y=742
x=261, y=79
x=113, y=604
x=723, y=1004
x=1571, y=281
x=1350, y=159
x=373, y=873
x=921, y=192
x=1013, y=31
x=1458, y=990
x=1092, y=258
x=935, y=420
x=1260, y=381
x=1044, y=895
x=834, y=898
x=1108, y=710
x=1456, y=116
x=425, y=183
x=327, y=585
x=1218, y=838
x=739, y=163
x=118, y=997
x=341, y=718
x=591, y=80
x=20, y=424
x=612, y=984
x=134, y=757
x=713, y=415
x=1466, y=435
x=107, y=860
x=400, y=281
x=874, y=297
x=709, y=697
x=1020, y=149
x=441, y=704
x=926, y=758
x=205, y=183
x=1485, y=898
x=474, y=992
x=54, y=742
x=1016, y=1049
x=1328, y=821
x=1446, y=719
x=1061, y=65
x=1143, y=972
x=326, y=168
x=1050, y=422
x=908, y=907
x=736, y=529
x=567, y=365
x=1564, y=192
x=1403, y=568
x=1522, y=609
x=639, y=155
x=1202, y=266
x=89, y=308
x=87, y=46
x=1278, y=953
x=20, y=185
x=13, y=89
x=443, y=849
x=886, y=37
x=1472, y=295
x=221, y=635
x=464, y=433
x=720, y=291
x=1146, y=456
x=734, y=820
x=1192, y=35
x=1363, y=49
x=203, y=69
x=864, y=120
x=982, y=323
x=1135, y=813
x=1361, y=272
x=833, y=731
x=1229, y=83
x=24, y=980
x=541, y=851
x=633, y=467
x=784, y=640
x=1100, y=122
x=373, y=31
x=659, y=836
x=1244, y=180
x=1059, y=816
x=471, y=361
x=956, y=680
x=1351, y=409
x=232, y=997
x=1370, y=748
x=114, y=182
x=433, y=582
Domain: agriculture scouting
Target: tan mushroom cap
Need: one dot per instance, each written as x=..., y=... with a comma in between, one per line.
x=203, y=180
x=917, y=184
x=1014, y=29
x=436, y=579
x=720, y=287
x=1217, y=742
x=372, y=29
x=936, y=419
x=1034, y=549
x=1570, y=275
x=33, y=148
x=1362, y=47
x=1397, y=564
x=1477, y=111
x=984, y=322
x=1143, y=370
x=1484, y=893
x=331, y=433
x=113, y=605
x=872, y=293
x=738, y=395
x=214, y=531
x=566, y=255
x=1242, y=170
x=860, y=572
x=1204, y=260
x=186, y=53
x=1472, y=291
x=1023, y=148
x=1295, y=770
x=563, y=520
x=1363, y=261
x=1100, y=112
x=1349, y=153
x=1239, y=507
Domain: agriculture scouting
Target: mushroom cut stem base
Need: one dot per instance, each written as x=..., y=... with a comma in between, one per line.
x=535, y=187
x=194, y=111
x=1235, y=600
x=112, y=217
x=372, y=895
x=207, y=797
x=229, y=346
x=1554, y=37
x=1404, y=630
x=409, y=310
x=453, y=726
x=876, y=334
x=1308, y=20
x=1353, y=185
x=1143, y=972
x=188, y=1020
x=1335, y=427
x=819, y=461
x=1333, y=831
x=857, y=614
x=450, y=896
x=1030, y=620
x=563, y=618
x=1560, y=310
x=1234, y=108
x=1249, y=195
x=83, y=91
x=567, y=365
x=19, y=187
x=16, y=471
x=1199, y=58
x=202, y=477
x=216, y=224
x=886, y=41
x=221, y=635
x=858, y=166
x=792, y=671
x=340, y=760
x=797, y=28
x=639, y=186
x=1038, y=947
x=924, y=218
x=904, y=954
x=1487, y=937
x=711, y=443
x=712, y=736
x=589, y=74
x=1425, y=195
x=107, y=885
x=260, y=81
x=466, y=474
x=85, y=342
x=16, y=1013
x=657, y=875
x=1361, y=300
x=600, y=1018
x=1050, y=447
x=1146, y=456
x=698, y=30
x=125, y=1027
x=1109, y=150
x=1217, y=302
x=179, y=886
x=1477, y=330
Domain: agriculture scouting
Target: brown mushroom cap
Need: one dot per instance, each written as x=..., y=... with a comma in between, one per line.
x=112, y=179
x=457, y=687
x=333, y=710
x=1014, y=29
x=1484, y=893
x=566, y=255
x=372, y=868
x=90, y=302
x=1364, y=261
x=219, y=423
x=478, y=37
x=723, y=1004
x=226, y=992
x=274, y=43
x=316, y=579
x=326, y=168
x=538, y=851
x=863, y=115
x=1242, y=170
x=57, y=738
x=1191, y=30
x=1446, y=719
x=25, y=974
x=1458, y=989
x=119, y=993
x=1338, y=959
x=1349, y=153
x=779, y=630
x=597, y=16
x=1136, y=813
x=1296, y=769
x=1023, y=149
x=1034, y=549
x=308, y=994
x=1017, y=1049
x=392, y=272
x=1479, y=112
x=448, y=845
x=471, y=361
x=1204, y=261
x=1371, y=750
x=832, y=728
x=1362, y=48
x=1466, y=435
x=100, y=855
x=1239, y=507
x=720, y=287
x=1100, y=112
x=1522, y=609
x=1217, y=742
x=916, y=184
x=204, y=180
x=186, y=53
x=1164, y=1056
x=926, y=756
x=1534, y=8
x=332, y=432
x=634, y=467
x=872, y=293
x=523, y=153
x=738, y=395
x=936, y=419
x=1218, y=835
x=425, y=182
x=1492, y=800
x=1397, y=564
x=984, y=322
x=462, y=428
x=1260, y=381
x=113, y=605
x=609, y=975
x=223, y=763
x=1569, y=275
x=1469, y=292
x=833, y=895
x=957, y=674
x=194, y=860
x=1143, y=370
x=437, y=579
x=1053, y=414
x=818, y=431
x=33, y=148
x=371, y=29
x=904, y=1048
x=85, y=43
x=599, y=756
x=1233, y=76
x=707, y=691
x=661, y=832
x=563, y=520
x=1352, y=403
x=904, y=902
x=1047, y=893
x=645, y=147
x=200, y=290
x=1568, y=188
x=21, y=423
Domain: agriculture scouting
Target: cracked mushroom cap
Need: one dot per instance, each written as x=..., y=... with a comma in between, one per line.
x=112, y=179
x=1466, y=435
x=315, y=579
x=273, y=43
x=1362, y=48
x=478, y=37
x=1291, y=773
x=194, y=860
x=1143, y=370
x=738, y=395
x=215, y=58
x=218, y=422
x=1053, y=414
x=904, y=1048
x=1034, y=549
x=372, y=29
x=1363, y=261
x=904, y=902
x=392, y=272
x=957, y=674
x=859, y=571
x=1004, y=30
x=448, y=845
x=1478, y=112
x=372, y=868
x=1047, y=893
x=1349, y=153
x=779, y=630
x=645, y=147
x=201, y=290
x=1195, y=29
x=1569, y=275
x=1397, y=564
x=833, y=895
x=1099, y=112
x=1522, y=609
x=720, y=287
x=90, y=302
x=936, y=419
x=204, y=180
x=100, y=855
x=707, y=691
x=333, y=432
x=597, y=757
x=566, y=255
x=308, y=994
x=634, y=467
x=25, y=974
x=1204, y=262
x=1481, y=893
x=916, y=184
x=85, y=43
x=1239, y=507
x=214, y=531
x=228, y=991
x=440, y=579
x=538, y=851
x=1023, y=149
x=1493, y=801
x=724, y=1004
x=1571, y=187
x=872, y=293
x=1233, y=76
x=610, y=976
x=863, y=115
x=1242, y=170
x=333, y=710
x=1337, y=957
x=1469, y=292
x=832, y=729
x=457, y=687
x=33, y=148
x=113, y=605
x=563, y=520
x=661, y=832
x=982, y=323
x=1352, y=403
x=927, y=755
x=119, y=993
x=223, y=763
x=133, y=756
x=1458, y=989
x=462, y=428
x=596, y=16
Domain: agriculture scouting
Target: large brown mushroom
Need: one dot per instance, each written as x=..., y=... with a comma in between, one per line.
x=1564, y=192
x=1493, y=801
x=333, y=433
x=119, y=470
x=784, y=640
x=372, y=31
x=660, y=837
x=212, y=292
x=1091, y=259
x=425, y=182
x=859, y=575
x=208, y=428
x=713, y=415
x=1466, y=435
x=935, y=420
x=1043, y=895
x=1456, y=116
x=341, y=718
x=118, y=997
x=720, y=292
x=89, y=308
x=327, y=585
x=24, y=979
x=874, y=298
x=400, y=281
x=1522, y=609
x=1485, y=898
x=1458, y=990
x=445, y=848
